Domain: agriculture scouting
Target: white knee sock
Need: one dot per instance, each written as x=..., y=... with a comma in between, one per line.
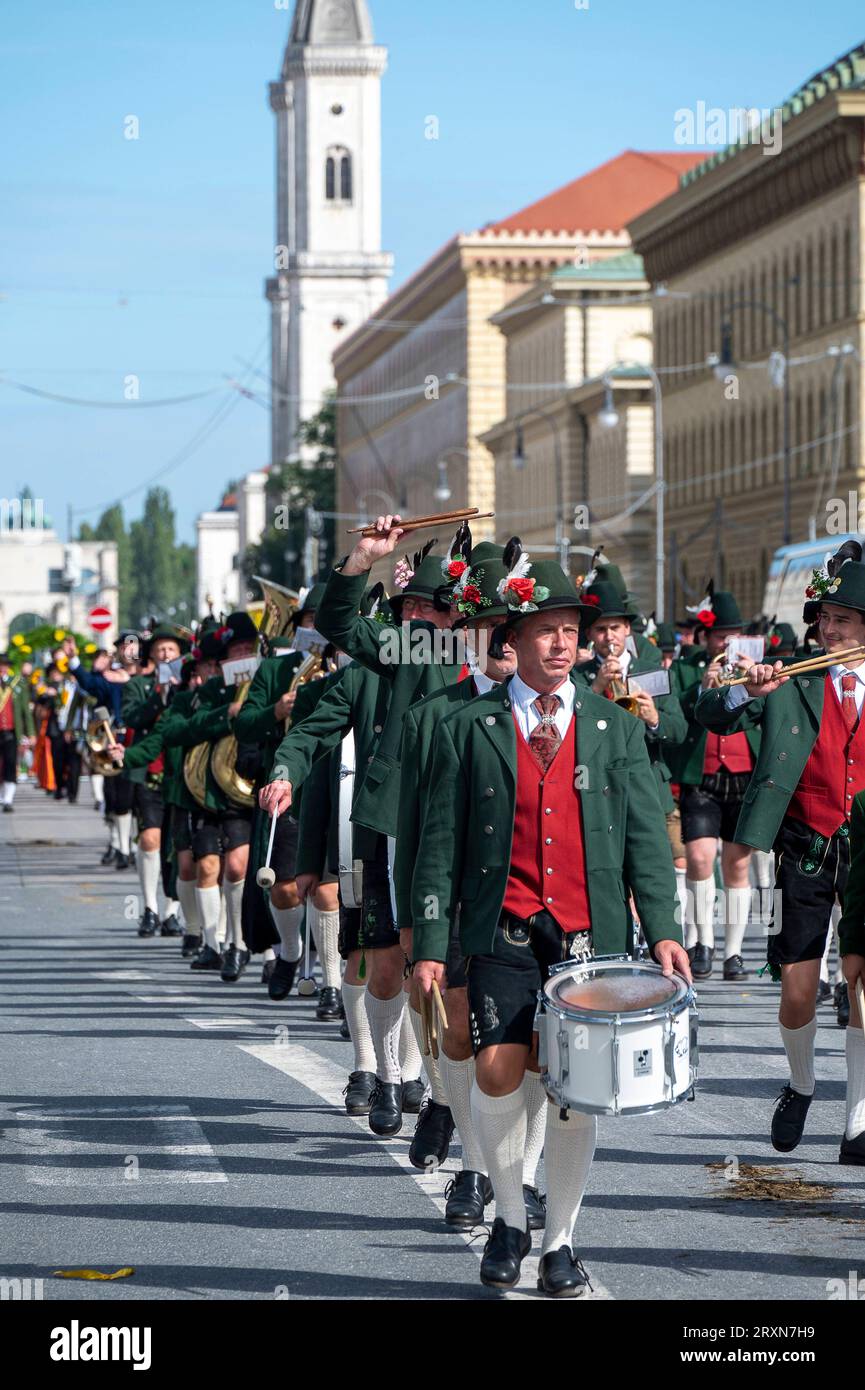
x=536, y=1124
x=385, y=1024
x=738, y=908
x=500, y=1125
x=171, y=906
x=325, y=934
x=189, y=906
x=8, y=793
x=763, y=863
x=682, y=895
x=702, y=892
x=233, y=894
x=288, y=920
x=208, y=900
x=824, y=963
x=148, y=877
x=124, y=831
x=268, y=954
x=412, y=1058
x=833, y=931
x=97, y=786
x=568, y=1153
x=358, y=1026
x=222, y=929
x=458, y=1079
x=855, y=1044
x=799, y=1047
x=113, y=836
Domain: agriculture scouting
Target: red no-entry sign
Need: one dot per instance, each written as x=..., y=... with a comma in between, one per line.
x=99, y=619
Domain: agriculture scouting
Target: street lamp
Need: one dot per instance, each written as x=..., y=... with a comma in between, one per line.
x=519, y=462
x=608, y=417
x=442, y=491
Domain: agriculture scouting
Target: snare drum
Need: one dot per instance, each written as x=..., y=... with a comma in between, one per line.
x=617, y=1037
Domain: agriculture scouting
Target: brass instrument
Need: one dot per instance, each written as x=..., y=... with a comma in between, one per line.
x=620, y=695
x=276, y=617
x=98, y=741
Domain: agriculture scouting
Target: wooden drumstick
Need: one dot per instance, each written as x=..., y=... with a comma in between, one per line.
x=265, y=877
x=418, y=523
x=439, y=1004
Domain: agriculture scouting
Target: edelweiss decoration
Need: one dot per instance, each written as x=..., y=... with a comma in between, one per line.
x=404, y=569
x=518, y=590
x=825, y=581
x=705, y=608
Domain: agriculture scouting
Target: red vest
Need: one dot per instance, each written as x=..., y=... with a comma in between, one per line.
x=7, y=713
x=834, y=773
x=730, y=751
x=548, y=857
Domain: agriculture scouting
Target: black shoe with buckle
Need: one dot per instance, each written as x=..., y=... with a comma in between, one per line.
x=504, y=1252
x=734, y=969
x=149, y=924
x=853, y=1151
x=122, y=861
x=358, y=1092
x=385, y=1109
x=267, y=970
x=467, y=1194
x=701, y=962
x=344, y=1030
x=170, y=926
x=234, y=962
x=788, y=1121
x=824, y=992
x=207, y=959
x=561, y=1274
x=412, y=1096
x=329, y=1006
x=190, y=946
x=432, y=1136
x=842, y=1005
x=109, y=855
x=536, y=1208
x=280, y=983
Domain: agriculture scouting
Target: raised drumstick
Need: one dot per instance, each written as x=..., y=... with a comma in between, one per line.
x=265, y=877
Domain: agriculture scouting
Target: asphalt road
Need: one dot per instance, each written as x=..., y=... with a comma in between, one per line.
x=193, y=1130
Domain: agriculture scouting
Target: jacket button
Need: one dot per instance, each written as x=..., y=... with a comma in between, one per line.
x=490, y=791
x=548, y=840
x=610, y=829
x=606, y=791
x=795, y=729
x=549, y=900
x=805, y=683
x=578, y=704
x=483, y=871
x=548, y=810
x=376, y=728
x=549, y=871
x=769, y=782
x=490, y=719
x=781, y=757
x=488, y=830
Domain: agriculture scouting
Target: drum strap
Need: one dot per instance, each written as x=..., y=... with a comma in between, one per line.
x=350, y=869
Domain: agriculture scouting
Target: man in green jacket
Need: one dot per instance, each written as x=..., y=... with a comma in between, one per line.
x=713, y=772
x=16, y=726
x=542, y=818
x=810, y=768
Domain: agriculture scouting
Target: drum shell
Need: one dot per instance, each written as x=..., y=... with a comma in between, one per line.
x=618, y=1064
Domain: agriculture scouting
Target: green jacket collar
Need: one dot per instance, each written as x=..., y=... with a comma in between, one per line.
x=493, y=712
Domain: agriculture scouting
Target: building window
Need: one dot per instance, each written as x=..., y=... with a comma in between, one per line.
x=338, y=175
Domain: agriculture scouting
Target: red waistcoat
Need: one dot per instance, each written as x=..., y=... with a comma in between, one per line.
x=548, y=836
x=834, y=772
x=7, y=713
x=730, y=751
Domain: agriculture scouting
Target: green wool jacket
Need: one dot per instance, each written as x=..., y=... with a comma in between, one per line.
x=317, y=842
x=851, y=928
x=358, y=701
x=377, y=798
x=193, y=717
x=140, y=708
x=789, y=721
x=672, y=728
x=419, y=729
x=462, y=863
x=686, y=759
x=22, y=710
x=256, y=722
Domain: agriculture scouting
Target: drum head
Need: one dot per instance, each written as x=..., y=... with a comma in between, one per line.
x=615, y=989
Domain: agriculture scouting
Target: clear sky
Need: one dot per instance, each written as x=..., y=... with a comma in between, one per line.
x=147, y=257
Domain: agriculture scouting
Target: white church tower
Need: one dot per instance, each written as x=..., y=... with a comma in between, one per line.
x=331, y=273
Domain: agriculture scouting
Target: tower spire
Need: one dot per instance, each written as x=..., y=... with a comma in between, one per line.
x=331, y=21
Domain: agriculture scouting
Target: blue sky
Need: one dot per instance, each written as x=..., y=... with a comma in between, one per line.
x=147, y=257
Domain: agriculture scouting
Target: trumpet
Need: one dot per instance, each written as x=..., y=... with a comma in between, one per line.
x=620, y=694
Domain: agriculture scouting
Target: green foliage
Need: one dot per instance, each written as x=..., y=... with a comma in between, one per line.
x=156, y=575
x=43, y=640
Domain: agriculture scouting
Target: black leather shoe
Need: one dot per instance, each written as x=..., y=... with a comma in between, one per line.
x=432, y=1136
x=824, y=992
x=853, y=1151
x=842, y=1005
x=358, y=1092
x=536, y=1208
x=109, y=855
x=234, y=962
x=280, y=983
x=207, y=959
x=701, y=962
x=412, y=1096
x=734, y=969
x=385, y=1109
x=267, y=970
x=170, y=927
x=504, y=1252
x=190, y=946
x=8, y=810
x=122, y=861
x=561, y=1275
x=467, y=1194
x=149, y=924
x=344, y=1030
x=329, y=1005
x=788, y=1121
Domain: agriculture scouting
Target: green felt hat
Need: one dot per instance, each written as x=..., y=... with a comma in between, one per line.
x=782, y=637
x=532, y=587
x=476, y=594
x=665, y=637
x=163, y=630
x=310, y=603
x=842, y=582
x=486, y=550
x=604, y=600
x=376, y=604
x=238, y=627
x=718, y=611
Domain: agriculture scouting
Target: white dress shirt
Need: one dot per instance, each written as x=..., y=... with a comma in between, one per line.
x=483, y=683
x=522, y=698
x=737, y=694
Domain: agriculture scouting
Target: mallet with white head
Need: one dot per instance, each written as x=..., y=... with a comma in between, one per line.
x=266, y=878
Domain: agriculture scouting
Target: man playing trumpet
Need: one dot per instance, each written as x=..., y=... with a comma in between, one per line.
x=810, y=768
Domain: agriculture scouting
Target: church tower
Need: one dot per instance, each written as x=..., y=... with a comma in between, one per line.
x=330, y=271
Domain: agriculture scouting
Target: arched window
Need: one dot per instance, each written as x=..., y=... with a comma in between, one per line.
x=338, y=181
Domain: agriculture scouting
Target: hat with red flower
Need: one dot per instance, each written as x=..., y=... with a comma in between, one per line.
x=527, y=588
x=841, y=581
x=429, y=576
x=717, y=610
x=476, y=594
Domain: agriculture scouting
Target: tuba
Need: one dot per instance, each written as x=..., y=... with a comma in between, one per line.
x=277, y=612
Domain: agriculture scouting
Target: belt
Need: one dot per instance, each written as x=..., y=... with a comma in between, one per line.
x=509, y=920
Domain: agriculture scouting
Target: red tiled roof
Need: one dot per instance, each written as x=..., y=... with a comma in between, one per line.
x=607, y=198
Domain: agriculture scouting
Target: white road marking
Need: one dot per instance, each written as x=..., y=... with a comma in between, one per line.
x=204, y=1022
x=167, y=999
x=115, y=1147
x=326, y=1080
x=121, y=975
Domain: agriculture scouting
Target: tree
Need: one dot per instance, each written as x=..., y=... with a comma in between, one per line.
x=111, y=526
x=156, y=575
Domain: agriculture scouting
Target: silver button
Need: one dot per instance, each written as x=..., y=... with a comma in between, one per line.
x=849, y=762
x=795, y=729
x=806, y=683
x=549, y=900
x=507, y=704
x=371, y=758
x=376, y=728
x=849, y=779
x=606, y=791
x=548, y=840
x=490, y=791
x=578, y=704
x=548, y=810
x=483, y=871
x=488, y=830
x=490, y=719
x=610, y=829
x=781, y=757
x=602, y=723
x=769, y=782
x=549, y=871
